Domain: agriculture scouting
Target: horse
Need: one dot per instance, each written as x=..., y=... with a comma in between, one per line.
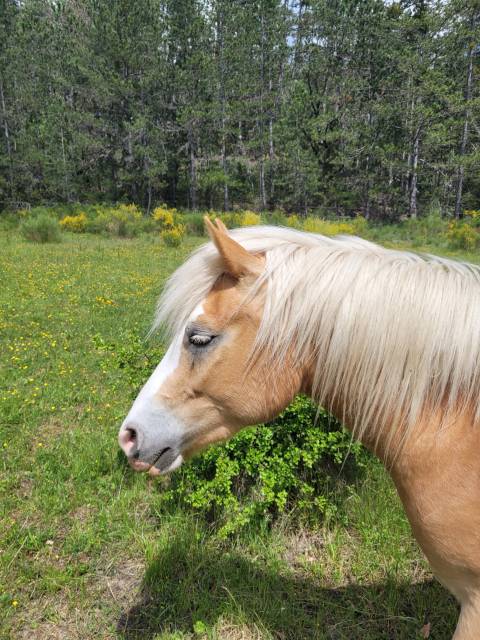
x=387, y=340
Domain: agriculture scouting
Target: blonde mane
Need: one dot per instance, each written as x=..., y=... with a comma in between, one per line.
x=389, y=332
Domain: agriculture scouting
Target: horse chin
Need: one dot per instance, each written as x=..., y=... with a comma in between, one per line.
x=162, y=467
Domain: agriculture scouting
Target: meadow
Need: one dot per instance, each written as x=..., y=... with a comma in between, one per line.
x=88, y=549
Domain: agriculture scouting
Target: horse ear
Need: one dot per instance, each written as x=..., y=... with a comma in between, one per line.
x=220, y=225
x=238, y=261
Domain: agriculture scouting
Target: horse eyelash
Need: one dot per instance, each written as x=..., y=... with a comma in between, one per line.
x=199, y=340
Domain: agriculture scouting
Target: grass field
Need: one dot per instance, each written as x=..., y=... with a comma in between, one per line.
x=86, y=550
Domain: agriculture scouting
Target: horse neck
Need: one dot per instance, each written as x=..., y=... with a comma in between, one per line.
x=387, y=443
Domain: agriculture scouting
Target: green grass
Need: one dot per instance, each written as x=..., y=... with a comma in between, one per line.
x=86, y=550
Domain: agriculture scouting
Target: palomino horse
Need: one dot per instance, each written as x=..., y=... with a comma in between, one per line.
x=387, y=340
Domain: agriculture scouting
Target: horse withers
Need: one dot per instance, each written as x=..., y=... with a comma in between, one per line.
x=388, y=341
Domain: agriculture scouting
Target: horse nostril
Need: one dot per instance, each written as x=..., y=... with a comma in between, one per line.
x=134, y=452
x=128, y=440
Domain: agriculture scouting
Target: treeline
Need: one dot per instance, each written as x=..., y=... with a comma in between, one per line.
x=343, y=106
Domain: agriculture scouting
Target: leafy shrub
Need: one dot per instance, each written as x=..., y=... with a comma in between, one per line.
x=173, y=237
x=276, y=218
x=123, y=221
x=128, y=229
x=233, y=219
x=249, y=218
x=327, y=227
x=194, y=223
x=66, y=209
x=294, y=221
x=359, y=226
x=472, y=216
x=164, y=216
x=9, y=221
x=290, y=463
x=35, y=212
x=146, y=225
x=77, y=224
x=230, y=219
x=461, y=235
x=355, y=226
x=424, y=229
x=42, y=228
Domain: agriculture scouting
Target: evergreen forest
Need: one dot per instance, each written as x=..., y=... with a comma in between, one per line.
x=338, y=107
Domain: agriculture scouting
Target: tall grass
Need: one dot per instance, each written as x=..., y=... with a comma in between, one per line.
x=41, y=229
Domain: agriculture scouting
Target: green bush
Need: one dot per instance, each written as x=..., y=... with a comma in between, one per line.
x=41, y=228
x=76, y=223
x=147, y=225
x=424, y=229
x=461, y=235
x=173, y=237
x=293, y=221
x=9, y=221
x=123, y=220
x=164, y=216
x=35, y=212
x=291, y=464
x=230, y=219
x=128, y=229
x=472, y=216
x=276, y=218
x=194, y=223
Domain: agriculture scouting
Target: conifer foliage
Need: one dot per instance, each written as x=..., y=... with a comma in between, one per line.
x=340, y=106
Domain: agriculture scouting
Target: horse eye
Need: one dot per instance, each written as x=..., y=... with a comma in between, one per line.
x=199, y=339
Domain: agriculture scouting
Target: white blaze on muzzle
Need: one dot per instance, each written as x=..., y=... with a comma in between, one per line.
x=151, y=436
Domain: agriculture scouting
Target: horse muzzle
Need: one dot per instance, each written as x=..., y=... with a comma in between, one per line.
x=152, y=445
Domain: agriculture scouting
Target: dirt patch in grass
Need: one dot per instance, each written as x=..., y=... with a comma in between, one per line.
x=122, y=581
x=321, y=555
x=49, y=631
x=303, y=548
x=48, y=431
x=232, y=631
x=25, y=486
x=82, y=614
x=82, y=513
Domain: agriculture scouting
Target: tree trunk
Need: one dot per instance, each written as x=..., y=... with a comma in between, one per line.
x=261, y=180
x=297, y=48
x=223, y=153
x=193, y=171
x=241, y=146
x=464, y=140
x=66, y=187
x=149, y=194
x=174, y=182
x=412, y=208
x=271, y=150
x=263, y=195
x=366, y=198
x=7, y=140
x=226, y=202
